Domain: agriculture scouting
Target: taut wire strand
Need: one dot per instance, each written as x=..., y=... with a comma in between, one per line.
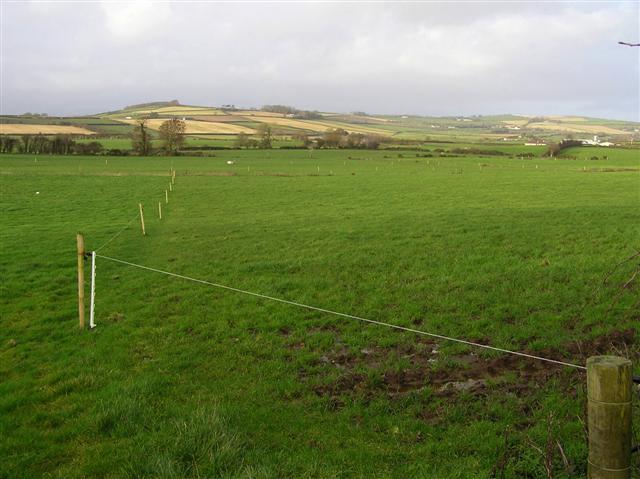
x=117, y=234
x=344, y=315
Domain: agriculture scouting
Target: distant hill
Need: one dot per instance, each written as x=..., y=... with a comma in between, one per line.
x=153, y=104
x=204, y=122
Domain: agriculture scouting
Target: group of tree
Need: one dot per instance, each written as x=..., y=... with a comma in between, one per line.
x=292, y=112
x=263, y=140
x=171, y=134
x=44, y=145
x=556, y=148
x=282, y=109
x=339, y=138
x=335, y=138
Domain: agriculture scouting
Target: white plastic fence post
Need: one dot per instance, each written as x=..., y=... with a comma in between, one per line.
x=92, y=324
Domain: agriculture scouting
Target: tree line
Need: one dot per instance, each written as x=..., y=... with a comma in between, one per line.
x=171, y=133
x=555, y=148
x=340, y=138
x=333, y=138
x=263, y=140
x=292, y=112
x=44, y=145
x=172, y=137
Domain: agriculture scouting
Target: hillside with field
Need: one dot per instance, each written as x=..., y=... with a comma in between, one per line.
x=221, y=125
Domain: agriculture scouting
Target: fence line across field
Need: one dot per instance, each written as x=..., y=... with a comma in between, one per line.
x=118, y=233
x=609, y=378
x=344, y=315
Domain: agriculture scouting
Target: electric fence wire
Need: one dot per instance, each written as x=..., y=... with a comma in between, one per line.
x=117, y=234
x=344, y=315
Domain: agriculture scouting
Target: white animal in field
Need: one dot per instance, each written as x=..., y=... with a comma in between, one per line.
x=230, y=162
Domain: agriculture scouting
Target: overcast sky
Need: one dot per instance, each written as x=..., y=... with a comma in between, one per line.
x=431, y=58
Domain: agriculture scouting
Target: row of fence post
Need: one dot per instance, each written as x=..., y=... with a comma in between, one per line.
x=172, y=174
x=82, y=252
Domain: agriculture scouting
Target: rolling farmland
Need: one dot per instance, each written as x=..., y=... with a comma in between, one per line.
x=202, y=120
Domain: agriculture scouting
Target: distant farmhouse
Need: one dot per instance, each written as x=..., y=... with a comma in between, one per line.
x=596, y=142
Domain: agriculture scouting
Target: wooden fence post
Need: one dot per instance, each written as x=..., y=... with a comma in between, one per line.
x=609, y=386
x=142, y=219
x=80, y=245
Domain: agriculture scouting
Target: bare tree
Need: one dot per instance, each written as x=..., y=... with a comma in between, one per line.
x=140, y=138
x=264, y=131
x=333, y=137
x=242, y=141
x=172, y=135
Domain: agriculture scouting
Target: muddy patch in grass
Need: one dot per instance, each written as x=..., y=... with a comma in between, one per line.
x=369, y=372
x=622, y=343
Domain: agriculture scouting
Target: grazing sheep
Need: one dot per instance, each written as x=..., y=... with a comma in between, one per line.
x=230, y=162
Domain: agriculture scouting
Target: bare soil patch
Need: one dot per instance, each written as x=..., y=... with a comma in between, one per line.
x=469, y=373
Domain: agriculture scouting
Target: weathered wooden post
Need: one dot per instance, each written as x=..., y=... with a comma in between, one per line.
x=80, y=244
x=609, y=386
x=142, y=219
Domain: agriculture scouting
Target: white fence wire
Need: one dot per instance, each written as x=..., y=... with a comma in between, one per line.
x=344, y=315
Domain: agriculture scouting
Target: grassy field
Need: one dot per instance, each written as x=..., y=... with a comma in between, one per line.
x=181, y=380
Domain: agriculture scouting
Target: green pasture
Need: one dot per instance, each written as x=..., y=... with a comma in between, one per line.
x=184, y=380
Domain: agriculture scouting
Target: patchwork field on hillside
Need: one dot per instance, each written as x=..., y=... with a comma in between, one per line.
x=181, y=110
x=194, y=127
x=576, y=128
x=402, y=128
x=319, y=126
x=569, y=125
x=35, y=129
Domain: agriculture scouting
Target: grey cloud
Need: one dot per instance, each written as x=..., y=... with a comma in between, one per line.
x=433, y=58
